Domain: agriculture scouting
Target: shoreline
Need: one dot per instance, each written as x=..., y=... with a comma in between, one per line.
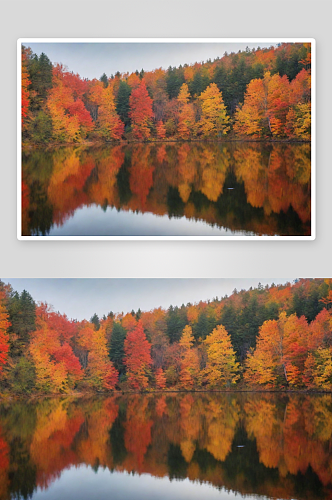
x=87, y=143
x=80, y=395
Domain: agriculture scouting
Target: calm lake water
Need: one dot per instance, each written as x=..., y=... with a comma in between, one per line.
x=173, y=189
x=183, y=446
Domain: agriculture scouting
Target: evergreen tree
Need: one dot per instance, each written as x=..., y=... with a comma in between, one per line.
x=95, y=320
x=116, y=347
x=122, y=102
x=198, y=84
x=104, y=80
x=174, y=80
x=176, y=320
x=22, y=316
x=40, y=72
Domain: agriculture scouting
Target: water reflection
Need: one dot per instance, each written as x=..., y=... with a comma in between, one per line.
x=199, y=189
x=272, y=445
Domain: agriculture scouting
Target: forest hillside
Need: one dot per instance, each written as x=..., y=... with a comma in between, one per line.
x=278, y=336
x=253, y=94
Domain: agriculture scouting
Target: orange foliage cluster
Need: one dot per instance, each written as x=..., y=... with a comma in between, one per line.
x=137, y=358
x=108, y=123
x=140, y=111
x=25, y=92
x=290, y=352
x=70, y=119
x=274, y=106
x=57, y=367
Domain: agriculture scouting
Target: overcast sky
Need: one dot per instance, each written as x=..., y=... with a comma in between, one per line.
x=81, y=298
x=91, y=60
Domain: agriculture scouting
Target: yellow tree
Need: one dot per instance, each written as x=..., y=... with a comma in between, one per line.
x=100, y=373
x=189, y=360
x=318, y=369
x=222, y=367
x=214, y=119
x=186, y=123
x=109, y=124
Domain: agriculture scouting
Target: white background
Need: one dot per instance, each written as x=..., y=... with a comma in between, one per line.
x=174, y=18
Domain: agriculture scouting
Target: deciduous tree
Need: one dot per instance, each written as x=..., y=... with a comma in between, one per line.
x=189, y=360
x=214, y=121
x=140, y=112
x=186, y=125
x=137, y=358
x=221, y=368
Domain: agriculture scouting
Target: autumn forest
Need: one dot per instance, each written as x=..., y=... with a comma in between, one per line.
x=262, y=93
x=273, y=337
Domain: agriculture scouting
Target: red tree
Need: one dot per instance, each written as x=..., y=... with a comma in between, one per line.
x=137, y=357
x=140, y=111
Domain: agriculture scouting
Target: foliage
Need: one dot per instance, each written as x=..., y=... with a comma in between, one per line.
x=186, y=125
x=277, y=336
x=214, y=119
x=25, y=92
x=259, y=93
x=137, y=358
x=100, y=374
x=221, y=368
x=108, y=123
x=57, y=367
x=140, y=111
x=189, y=360
x=4, y=325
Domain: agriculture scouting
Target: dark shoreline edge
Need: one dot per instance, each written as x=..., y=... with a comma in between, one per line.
x=34, y=397
x=87, y=143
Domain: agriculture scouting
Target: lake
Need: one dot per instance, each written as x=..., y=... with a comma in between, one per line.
x=171, y=445
x=168, y=189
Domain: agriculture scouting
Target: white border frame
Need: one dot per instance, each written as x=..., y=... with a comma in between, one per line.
x=21, y=41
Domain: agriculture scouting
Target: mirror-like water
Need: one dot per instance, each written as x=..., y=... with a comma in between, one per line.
x=160, y=446
x=168, y=189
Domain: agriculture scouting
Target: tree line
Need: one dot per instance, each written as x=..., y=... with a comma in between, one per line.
x=258, y=93
x=272, y=337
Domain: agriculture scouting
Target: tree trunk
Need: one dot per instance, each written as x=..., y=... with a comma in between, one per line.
x=285, y=373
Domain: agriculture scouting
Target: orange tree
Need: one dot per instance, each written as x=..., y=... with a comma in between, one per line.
x=280, y=354
x=108, y=123
x=137, y=358
x=186, y=123
x=140, y=112
x=189, y=360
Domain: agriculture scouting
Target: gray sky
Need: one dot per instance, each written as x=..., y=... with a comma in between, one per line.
x=91, y=60
x=81, y=298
